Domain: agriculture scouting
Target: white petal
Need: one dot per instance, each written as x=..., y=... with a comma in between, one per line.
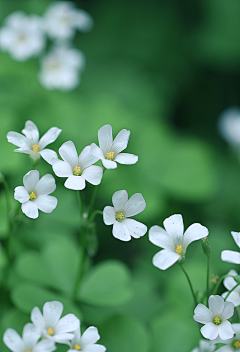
x=44, y=346
x=165, y=258
x=228, y=310
x=96, y=151
x=68, y=323
x=13, y=341
x=209, y=331
x=202, y=314
x=225, y=348
x=17, y=139
x=86, y=158
x=75, y=182
x=49, y=137
x=94, y=348
x=121, y=141
x=30, y=180
x=236, y=237
x=216, y=304
x=193, y=233
x=49, y=155
x=234, y=297
x=45, y=185
x=174, y=225
x=21, y=194
x=105, y=138
x=230, y=257
x=31, y=132
x=229, y=282
x=69, y=153
x=93, y=174
x=52, y=312
x=236, y=328
x=37, y=318
x=120, y=231
x=126, y=159
x=119, y=199
x=62, y=338
x=135, y=228
x=161, y=238
x=225, y=330
x=30, y=209
x=109, y=164
x=135, y=205
x=109, y=215
x=30, y=335
x=90, y=336
x=62, y=168
x=46, y=203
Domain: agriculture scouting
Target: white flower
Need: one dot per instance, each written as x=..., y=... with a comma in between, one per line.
x=77, y=169
x=61, y=68
x=205, y=346
x=110, y=151
x=22, y=36
x=229, y=283
x=86, y=342
x=62, y=19
x=28, y=342
x=51, y=326
x=30, y=143
x=232, y=256
x=34, y=194
x=173, y=241
x=118, y=215
x=231, y=344
x=215, y=318
x=229, y=125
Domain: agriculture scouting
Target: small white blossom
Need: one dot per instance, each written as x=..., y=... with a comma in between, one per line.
x=233, y=344
x=215, y=318
x=49, y=324
x=229, y=125
x=173, y=240
x=22, y=36
x=77, y=169
x=28, y=342
x=232, y=256
x=30, y=143
x=34, y=195
x=61, y=68
x=205, y=346
x=86, y=342
x=118, y=215
x=230, y=283
x=110, y=150
x=62, y=19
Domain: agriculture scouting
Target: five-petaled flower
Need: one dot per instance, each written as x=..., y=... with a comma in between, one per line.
x=30, y=143
x=173, y=241
x=233, y=344
x=215, y=318
x=110, y=151
x=118, y=215
x=232, y=256
x=87, y=341
x=34, y=194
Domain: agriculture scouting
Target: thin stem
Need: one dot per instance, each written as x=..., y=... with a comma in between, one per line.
x=94, y=214
x=92, y=200
x=190, y=284
x=219, y=283
x=231, y=291
x=83, y=256
x=80, y=203
x=208, y=271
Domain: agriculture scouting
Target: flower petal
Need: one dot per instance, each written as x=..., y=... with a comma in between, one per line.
x=109, y=215
x=233, y=297
x=202, y=314
x=45, y=185
x=21, y=194
x=228, y=310
x=119, y=199
x=161, y=238
x=62, y=168
x=96, y=151
x=209, y=331
x=69, y=153
x=37, y=318
x=93, y=174
x=31, y=132
x=174, y=225
x=230, y=257
x=193, y=233
x=105, y=138
x=86, y=158
x=216, y=304
x=49, y=155
x=95, y=348
x=75, y=182
x=30, y=180
x=229, y=282
x=30, y=335
x=126, y=158
x=17, y=139
x=135, y=205
x=135, y=228
x=165, y=258
x=121, y=141
x=90, y=336
x=46, y=203
x=52, y=312
x=45, y=346
x=68, y=323
x=120, y=231
x=225, y=330
x=109, y=164
x=49, y=137
x=30, y=209
x=236, y=237
x=13, y=341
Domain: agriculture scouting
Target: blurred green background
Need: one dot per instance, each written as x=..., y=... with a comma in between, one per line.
x=165, y=70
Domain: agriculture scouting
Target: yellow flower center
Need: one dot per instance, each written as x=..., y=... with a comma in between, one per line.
x=32, y=195
x=217, y=320
x=109, y=156
x=179, y=249
x=35, y=148
x=77, y=171
x=77, y=347
x=236, y=343
x=28, y=351
x=50, y=331
x=119, y=216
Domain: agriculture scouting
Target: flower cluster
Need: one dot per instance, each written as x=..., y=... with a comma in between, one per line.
x=25, y=36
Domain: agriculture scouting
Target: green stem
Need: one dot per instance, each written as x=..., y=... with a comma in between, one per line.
x=190, y=284
x=231, y=291
x=94, y=214
x=83, y=256
x=92, y=200
x=208, y=271
x=80, y=204
x=219, y=283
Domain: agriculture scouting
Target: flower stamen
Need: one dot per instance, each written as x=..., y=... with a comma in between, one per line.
x=119, y=216
x=77, y=171
x=35, y=148
x=179, y=249
x=77, y=347
x=217, y=320
x=32, y=195
x=50, y=331
x=236, y=343
x=109, y=156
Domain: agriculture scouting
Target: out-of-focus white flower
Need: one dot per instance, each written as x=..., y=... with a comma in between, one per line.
x=51, y=326
x=232, y=344
x=86, y=342
x=229, y=283
x=110, y=151
x=205, y=346
x=173, y=241
x=232, y=256
x=34, y=194
x=229, y=125
x=215, y=318
x=62, y=19
x=30, y=143
x=61, y=68
x=118, y=215
x=77, y=169
x=22, y=36
x=28, y=342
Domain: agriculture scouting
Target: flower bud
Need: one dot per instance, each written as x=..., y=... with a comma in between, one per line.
x=206, y=247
